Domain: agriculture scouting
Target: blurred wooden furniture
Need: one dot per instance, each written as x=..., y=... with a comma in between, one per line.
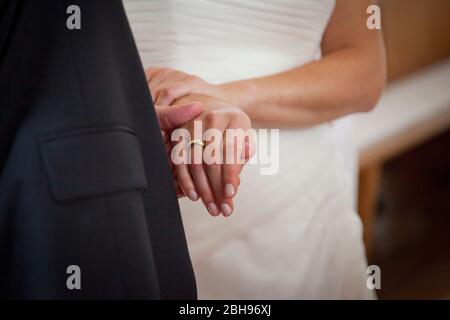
x=416, y=33
x=416, y=105
x=411, y=111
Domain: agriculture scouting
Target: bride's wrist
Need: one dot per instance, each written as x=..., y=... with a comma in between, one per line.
x=240, y=93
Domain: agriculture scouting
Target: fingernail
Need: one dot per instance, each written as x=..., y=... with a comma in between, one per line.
x=226, y=210
x=212, y=208
x=229, y=190
x=192, y=195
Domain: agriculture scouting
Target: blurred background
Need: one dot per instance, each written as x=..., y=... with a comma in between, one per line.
x=404, y=160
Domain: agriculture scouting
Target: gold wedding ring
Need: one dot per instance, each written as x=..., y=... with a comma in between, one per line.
x=197, y=141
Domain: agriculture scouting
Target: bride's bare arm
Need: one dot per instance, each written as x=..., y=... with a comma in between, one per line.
x=349, y=78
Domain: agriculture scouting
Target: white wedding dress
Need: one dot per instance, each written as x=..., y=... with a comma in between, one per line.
x=295, y=234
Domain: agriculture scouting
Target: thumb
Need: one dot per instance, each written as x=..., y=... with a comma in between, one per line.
x=174, y=116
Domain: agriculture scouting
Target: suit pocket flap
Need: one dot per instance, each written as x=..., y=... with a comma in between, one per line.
x=92, y=162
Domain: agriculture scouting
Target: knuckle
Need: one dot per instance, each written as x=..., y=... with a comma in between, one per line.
x=167, y=92
x=211, y=116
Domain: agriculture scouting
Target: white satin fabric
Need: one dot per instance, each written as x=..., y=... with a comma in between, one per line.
x=295, y=234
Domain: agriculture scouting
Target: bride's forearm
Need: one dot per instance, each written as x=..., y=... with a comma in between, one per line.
x=349, y=78
x=341, y=83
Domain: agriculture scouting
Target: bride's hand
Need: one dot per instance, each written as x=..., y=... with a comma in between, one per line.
x=215, y=183
x=168, y=85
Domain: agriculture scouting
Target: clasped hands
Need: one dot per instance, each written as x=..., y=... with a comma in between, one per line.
x=180, y=103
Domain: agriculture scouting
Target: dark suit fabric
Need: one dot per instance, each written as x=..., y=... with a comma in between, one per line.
x=84, y=177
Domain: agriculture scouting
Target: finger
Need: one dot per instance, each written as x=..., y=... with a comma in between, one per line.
x=185, y=182
x=174, y=91
x=249, y=147
x=213, y=169
x=201, y=181
x=214, y=173
x=172, y=117
x=168, y=79
x=158, y=77
x=180, y=193
x=204, y=189
x=150, y=71
x=164, y=80
x=234, y=160
x=179, y=157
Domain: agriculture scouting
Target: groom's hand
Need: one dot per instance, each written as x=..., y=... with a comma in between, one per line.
x=170, y=118
x=174, y=116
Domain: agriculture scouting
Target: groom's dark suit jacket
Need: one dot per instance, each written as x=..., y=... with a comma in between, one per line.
x=84, y=178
